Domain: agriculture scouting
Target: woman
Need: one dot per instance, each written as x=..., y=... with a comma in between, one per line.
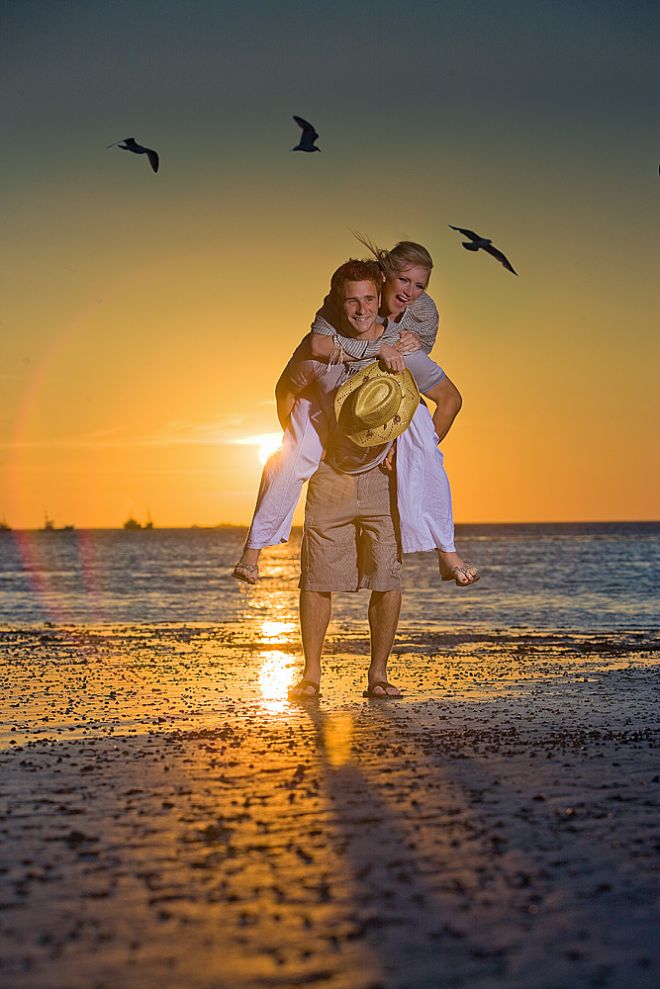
x=423, y=493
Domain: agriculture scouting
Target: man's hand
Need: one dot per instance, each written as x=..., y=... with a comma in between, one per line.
x=408, y=342
x=388, y=463
x=391, y=357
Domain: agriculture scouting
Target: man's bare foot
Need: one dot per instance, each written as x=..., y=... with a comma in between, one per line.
x=452, y=567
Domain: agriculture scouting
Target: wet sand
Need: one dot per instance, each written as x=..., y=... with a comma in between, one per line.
x=169, y=820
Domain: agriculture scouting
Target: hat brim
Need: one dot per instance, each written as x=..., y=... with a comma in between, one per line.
x=396, y=424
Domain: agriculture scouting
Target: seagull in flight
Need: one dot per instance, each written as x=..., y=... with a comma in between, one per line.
x=130, y=144
x=477, y=242
x=307, y=137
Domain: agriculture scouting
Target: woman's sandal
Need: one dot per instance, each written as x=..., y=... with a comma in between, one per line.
x=369, y=692
x=468, y=571
x=247, y=572
x=300, y=696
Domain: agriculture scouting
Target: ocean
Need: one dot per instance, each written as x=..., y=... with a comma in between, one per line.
x=573, y=577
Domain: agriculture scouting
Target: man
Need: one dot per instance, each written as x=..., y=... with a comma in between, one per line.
x=350, y=539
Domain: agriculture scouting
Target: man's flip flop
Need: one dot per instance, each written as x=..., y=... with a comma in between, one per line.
x=247, y=572
x=293, y=696
x=369, y=692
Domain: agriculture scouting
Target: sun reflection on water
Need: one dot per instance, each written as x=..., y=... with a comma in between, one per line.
x=276, y=631
x=275, y=678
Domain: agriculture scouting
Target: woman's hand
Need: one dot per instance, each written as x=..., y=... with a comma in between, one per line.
x=408, y=342
x=391, y=357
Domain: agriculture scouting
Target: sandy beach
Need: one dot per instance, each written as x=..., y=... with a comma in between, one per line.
x=169, y=820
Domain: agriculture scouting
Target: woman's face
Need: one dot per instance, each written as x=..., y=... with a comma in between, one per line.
x=403, y=288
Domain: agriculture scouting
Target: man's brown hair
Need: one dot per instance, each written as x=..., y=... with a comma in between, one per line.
x=355, y=271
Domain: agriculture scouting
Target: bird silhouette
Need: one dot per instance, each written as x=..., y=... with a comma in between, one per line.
x=130, y=144
x=307, y=137
x=483, y=243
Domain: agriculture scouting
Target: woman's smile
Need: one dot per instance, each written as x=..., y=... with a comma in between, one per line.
x=403, y=288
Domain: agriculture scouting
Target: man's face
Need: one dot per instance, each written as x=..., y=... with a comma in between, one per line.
x=359, y=308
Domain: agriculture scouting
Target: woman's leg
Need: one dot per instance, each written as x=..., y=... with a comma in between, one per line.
x=281, y=484
x=424, y=499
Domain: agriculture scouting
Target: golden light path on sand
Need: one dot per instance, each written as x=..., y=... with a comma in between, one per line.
x=276, y=675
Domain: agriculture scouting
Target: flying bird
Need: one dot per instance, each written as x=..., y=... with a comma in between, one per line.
x=477, y=242
x=130, y=144
x=307, y=137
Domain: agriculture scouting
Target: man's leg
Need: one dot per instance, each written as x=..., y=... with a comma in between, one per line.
x=384, y=608
x=315, y=611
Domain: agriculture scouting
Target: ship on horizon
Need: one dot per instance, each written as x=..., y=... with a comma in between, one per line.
x=49, y=525
x=132, y=524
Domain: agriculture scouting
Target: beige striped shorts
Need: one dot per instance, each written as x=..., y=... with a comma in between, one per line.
x=350, y=540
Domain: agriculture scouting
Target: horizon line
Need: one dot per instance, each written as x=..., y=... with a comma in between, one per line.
x=245, y=525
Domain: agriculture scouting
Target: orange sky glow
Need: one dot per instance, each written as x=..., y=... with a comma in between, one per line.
x=146, y=318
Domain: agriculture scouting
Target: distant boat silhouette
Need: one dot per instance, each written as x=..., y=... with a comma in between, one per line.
x=133, y=524
x=49, y=525
x=4, y=526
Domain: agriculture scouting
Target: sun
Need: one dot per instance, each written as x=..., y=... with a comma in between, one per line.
x=269, y=443
x=266, y=444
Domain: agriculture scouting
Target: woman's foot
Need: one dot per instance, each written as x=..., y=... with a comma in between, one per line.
x=452, y=567
x=247, y=568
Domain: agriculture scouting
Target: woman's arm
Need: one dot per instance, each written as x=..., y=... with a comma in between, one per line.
x=332, y=350
x=421, y=317
x=325, y=341
x=329, y=346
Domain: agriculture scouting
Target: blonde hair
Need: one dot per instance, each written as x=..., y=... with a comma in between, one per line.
x=405, y=254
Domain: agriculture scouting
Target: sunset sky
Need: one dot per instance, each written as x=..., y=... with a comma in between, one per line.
x=145, y=318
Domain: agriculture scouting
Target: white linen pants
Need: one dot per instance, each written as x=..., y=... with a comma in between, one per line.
x=423, y=492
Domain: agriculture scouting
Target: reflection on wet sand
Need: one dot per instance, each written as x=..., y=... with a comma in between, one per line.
x=275, y=677
x=338, y=729
x=171, y=819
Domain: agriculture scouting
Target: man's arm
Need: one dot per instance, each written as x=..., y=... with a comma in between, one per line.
x=285, y=399
x=299, y=373
x=448, y=403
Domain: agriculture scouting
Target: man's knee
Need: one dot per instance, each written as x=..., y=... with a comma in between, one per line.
x=314, y=597
x=314, y=603
x=385, y=599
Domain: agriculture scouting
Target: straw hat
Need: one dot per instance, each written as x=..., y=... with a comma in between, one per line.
x=376, y=405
